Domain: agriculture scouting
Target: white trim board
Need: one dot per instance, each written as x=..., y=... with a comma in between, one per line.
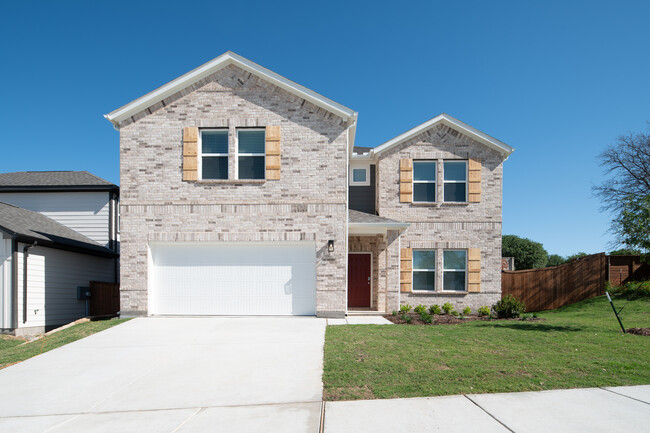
x=213, y=66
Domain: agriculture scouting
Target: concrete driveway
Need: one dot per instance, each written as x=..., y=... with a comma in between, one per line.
x=173, y=375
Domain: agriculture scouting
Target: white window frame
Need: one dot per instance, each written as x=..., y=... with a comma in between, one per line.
x=365, y=167
x=435, y=273
x=454, y=270
x=444, y=182
x=237, y=154
x=434, y=182
x=200, y=154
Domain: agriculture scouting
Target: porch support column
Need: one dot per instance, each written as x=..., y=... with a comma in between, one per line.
x=392, y=270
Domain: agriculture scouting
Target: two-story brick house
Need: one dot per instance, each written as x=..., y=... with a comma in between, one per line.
x=242, y=193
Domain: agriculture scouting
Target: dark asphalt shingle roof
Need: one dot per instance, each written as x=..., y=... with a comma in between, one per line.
x=52, y=179
x=361, y=150
x=354, y=216
x=35, y=226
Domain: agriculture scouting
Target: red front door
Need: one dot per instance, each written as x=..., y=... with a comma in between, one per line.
x=358, y=280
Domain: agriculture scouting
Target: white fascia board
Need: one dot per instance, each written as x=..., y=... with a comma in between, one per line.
x=216, y=64
x=375, y=228
x=452, y=122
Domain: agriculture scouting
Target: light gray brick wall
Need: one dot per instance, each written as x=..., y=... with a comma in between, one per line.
x=447, y=226
x=308, y=203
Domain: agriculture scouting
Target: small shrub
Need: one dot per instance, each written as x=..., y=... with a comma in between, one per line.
x=435, y=309
x=405, y=308
x=525, y=317
x=407, y=319
x=467, y=311
x=447, y=307
x=394, y=312
x=454, y=313
x=509, y=307
x=484, y=311
x=534, y=315
x=426, y=318
x=420, y=309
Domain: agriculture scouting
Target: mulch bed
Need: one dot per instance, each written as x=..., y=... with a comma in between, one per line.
x=445, y=319
x=639, y=331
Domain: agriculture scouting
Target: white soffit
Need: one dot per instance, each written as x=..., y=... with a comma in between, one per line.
x=452, y=122
x=216, y=64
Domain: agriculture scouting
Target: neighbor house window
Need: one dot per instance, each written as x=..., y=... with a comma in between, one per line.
x=251, y=146
x=360, y=175
x=424, y=270
x=424, y=181
x=214, y=154
x=454, y=272
x=455, y=181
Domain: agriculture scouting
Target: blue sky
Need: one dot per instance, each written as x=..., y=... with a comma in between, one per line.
x=558, y=81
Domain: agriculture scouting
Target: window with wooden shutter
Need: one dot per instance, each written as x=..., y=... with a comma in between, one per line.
x=474, y=184
x=406, y=181
x=190, y=149
x=474, y=270
x=406, y=268
x=273, y=152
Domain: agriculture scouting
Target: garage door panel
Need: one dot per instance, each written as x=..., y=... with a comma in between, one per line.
x=259, y=279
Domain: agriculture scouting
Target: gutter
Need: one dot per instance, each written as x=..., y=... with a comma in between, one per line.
x=25, y=257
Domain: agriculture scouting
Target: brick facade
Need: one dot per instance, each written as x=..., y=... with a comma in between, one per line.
x=308, y=203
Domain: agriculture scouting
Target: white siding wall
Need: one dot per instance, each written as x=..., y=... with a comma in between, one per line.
x=5, y=283
x=52, y=284
x=85, y=212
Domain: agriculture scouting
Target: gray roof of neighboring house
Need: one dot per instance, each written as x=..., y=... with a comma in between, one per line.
x=359, y=150
x=27, y=225
x=356, y=217
x=53, y=180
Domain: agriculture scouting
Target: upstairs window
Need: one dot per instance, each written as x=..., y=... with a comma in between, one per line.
x=424, y=181
x=455, y=181
x=251, y=146
x=424, y=270
x=454, y=272
x=214, y=154
x=360, y=174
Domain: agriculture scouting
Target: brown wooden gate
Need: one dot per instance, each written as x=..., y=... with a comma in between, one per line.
x=104, y=299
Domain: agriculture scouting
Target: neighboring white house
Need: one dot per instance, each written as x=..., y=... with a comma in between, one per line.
x=58, y=232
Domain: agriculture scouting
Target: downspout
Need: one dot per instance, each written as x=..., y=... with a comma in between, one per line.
x=25, y=257
x=14, y=283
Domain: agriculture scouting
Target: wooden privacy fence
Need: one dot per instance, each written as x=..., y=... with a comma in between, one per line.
x=549, y=288
x=104, y=299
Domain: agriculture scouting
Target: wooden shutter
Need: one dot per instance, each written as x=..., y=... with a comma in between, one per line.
x=406, y=268
x=406, y=180
x=190, y=149
x=273, y=164
x=474, y=185
x=474, y=270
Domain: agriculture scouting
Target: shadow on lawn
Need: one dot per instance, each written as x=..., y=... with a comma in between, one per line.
x=519, y=326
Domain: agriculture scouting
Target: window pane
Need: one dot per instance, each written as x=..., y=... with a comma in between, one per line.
x=455, y=170
x=251, y=167
x=358, y=174
x=424, y=259
x=214, y=167
x=424, y=192
x=454, y=281
x=424, y=170
x=423, y=280
x=214, y=141
x=455, y=192
x=454, y=259
x=251, y=141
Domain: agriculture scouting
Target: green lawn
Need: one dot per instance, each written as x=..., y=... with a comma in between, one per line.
x=12, y=351
x=580, y=345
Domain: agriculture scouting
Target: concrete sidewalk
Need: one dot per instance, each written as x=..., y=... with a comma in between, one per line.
x=590, y=410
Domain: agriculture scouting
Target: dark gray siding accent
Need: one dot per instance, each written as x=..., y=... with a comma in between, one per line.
x=362, y=198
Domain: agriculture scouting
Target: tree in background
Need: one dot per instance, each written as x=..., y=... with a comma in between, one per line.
x=555, y=260
x=528, y=254
x=625, y=252
x=627, y=191
x=575, y=256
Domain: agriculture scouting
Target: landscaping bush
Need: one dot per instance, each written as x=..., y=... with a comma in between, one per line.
x=420, y=309
x=484, y=311
x=394, y=312
x=435, y=309
x=454, y=313
x=447, y=307
x=405, y=308
x=467, y=311
x=426, y=318
x=509, y=307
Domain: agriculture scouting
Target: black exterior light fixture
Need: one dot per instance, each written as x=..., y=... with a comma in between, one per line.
x=330, y=246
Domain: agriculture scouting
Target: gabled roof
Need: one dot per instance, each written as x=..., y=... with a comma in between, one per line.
x=53, y=180
x=29, y=226
x=228, y=58
x=365, y=223
x=452, y=122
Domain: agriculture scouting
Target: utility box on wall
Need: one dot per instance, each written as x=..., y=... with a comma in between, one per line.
x=83, y=293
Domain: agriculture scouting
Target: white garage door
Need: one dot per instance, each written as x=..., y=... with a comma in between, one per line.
x=233, y=279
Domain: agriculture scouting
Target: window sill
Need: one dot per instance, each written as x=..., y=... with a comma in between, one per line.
x=229, y=181
x=437, y=293
x=438, y=204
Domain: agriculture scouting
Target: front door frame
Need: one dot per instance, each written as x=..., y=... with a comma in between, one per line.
x=372, y=282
